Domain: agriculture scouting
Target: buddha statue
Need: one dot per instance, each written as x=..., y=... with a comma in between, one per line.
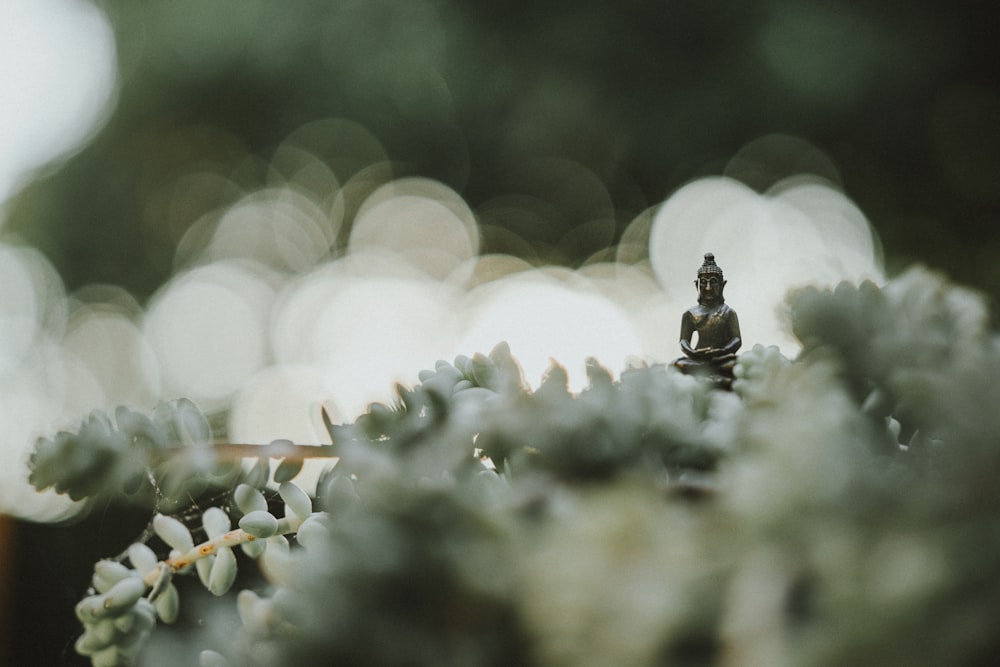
x=713, y=353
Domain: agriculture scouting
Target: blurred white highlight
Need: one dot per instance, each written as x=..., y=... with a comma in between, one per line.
x=280, y=228
x=31, y=299
x=209, y=330
x=113, y=349
x=419, y=221
x=276, y=315
x=801, y=232
x=546, y=319
x=42, y=385
x=363, y=332
x=57, y=79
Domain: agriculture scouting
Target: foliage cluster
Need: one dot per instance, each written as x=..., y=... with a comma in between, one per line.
x=836, y=509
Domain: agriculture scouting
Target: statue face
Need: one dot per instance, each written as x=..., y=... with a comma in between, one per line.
x=709, y=288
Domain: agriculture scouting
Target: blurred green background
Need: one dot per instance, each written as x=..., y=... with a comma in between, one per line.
x=902, y=97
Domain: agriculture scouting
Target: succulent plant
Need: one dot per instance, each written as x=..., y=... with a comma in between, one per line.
x=833, y=509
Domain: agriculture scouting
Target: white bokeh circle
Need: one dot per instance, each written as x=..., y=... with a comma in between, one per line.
x=802, y=232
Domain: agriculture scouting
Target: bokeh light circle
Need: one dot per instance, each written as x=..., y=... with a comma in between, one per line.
x=802, y=232
x=364, y=333
x=422, y=222
x=208, y=328
x=50, y=50
x=545, y=319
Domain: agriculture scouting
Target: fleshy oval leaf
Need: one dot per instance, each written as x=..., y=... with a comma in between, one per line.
x=106, y=577
x=124, y=594
x=142, y=558
x=249, y=499
x=223, y=572
x=259, y=473
x=173, y=532
x=90, y=609
x=259, y=523
x=90, y=641
x=204, y=568
x=313, y=531
x=145, y=614
x=287, y=470
x=295, y=499
x=168, y=604
x=216, y=522
x=277, y=563
x=107, y=657
x=125, y=623
x=248, y=605
x=112, y=571
x=191, y=425
x=254, y=549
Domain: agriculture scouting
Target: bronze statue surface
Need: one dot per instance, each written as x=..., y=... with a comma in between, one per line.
x=713, y=353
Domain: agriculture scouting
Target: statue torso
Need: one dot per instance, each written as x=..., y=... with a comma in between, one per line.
x=712, y=324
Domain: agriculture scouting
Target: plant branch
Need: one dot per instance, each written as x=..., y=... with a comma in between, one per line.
x=234, y=538
x=275, y=450
x=230, y=451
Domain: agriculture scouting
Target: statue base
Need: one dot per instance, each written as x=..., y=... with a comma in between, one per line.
x=719, y=372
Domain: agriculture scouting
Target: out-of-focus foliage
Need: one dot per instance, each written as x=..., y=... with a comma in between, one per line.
x=552, y=103
x=835, y=509
x=846, y=500
x=161, y=462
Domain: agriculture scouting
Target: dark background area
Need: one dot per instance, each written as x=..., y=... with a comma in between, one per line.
x=903, y=97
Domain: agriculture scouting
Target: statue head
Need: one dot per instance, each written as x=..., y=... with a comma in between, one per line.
x=710, y=282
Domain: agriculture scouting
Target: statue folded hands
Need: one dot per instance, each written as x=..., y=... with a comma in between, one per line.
x=713, y=353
